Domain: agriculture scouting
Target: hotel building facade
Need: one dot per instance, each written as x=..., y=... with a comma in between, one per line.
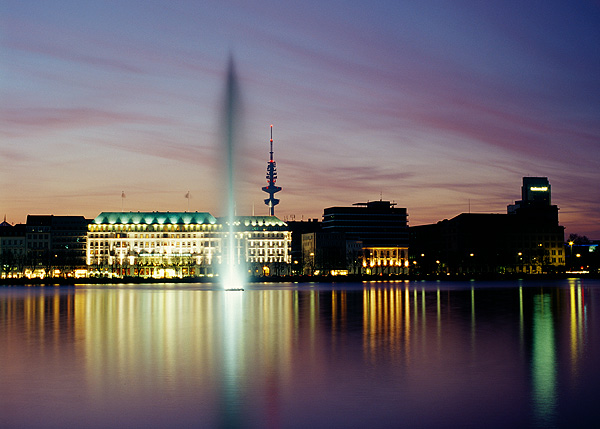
x=182, y=244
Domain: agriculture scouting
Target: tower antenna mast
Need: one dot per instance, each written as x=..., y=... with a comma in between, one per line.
x=271, y=189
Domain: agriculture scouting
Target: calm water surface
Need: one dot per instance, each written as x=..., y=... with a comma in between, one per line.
x=408, y=354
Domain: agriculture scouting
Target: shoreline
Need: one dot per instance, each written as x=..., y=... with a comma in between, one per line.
x=69, y=281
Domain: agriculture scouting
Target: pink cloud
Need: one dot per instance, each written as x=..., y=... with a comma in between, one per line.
x=43, y=119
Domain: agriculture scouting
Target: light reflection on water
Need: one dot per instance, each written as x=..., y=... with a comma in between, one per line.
x=420, y=354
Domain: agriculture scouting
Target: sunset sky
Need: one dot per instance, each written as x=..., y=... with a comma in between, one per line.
x=431, y=104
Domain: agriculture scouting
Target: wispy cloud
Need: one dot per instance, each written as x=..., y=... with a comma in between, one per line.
x=45, y=119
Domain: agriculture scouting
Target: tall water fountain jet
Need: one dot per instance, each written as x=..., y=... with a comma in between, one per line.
x=232, y=272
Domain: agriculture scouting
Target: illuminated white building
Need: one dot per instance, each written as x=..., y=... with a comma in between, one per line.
x=180, y=244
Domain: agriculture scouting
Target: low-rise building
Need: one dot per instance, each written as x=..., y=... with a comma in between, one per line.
x=323, y=253
x=297, y=228
x=56, y=246
x=385, y=260
x=13, y=251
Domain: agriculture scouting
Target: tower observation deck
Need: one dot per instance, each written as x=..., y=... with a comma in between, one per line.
x=271, y=189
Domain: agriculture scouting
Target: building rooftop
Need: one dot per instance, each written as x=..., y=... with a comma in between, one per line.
x=254, y=221
x=149, y=218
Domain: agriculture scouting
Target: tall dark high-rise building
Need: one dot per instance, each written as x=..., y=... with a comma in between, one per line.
x=271, y=189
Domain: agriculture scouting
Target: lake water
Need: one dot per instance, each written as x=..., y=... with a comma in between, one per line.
x=377, y=354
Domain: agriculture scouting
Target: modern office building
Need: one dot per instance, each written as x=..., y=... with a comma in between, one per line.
x=180, y=244
x=382, y=230
x=375, y=223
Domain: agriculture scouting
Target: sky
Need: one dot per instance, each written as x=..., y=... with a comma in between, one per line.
x=440, y=106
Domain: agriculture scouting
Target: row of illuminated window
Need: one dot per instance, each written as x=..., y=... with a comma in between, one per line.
x=152, y=242
x=262, y=251
x=108, y=252
x=268, y=244
x=265, y=243
x=267, y=259
x=395, y=253
x=154, y=235
x=154, y=227
x=268, y=235
x=147, y=245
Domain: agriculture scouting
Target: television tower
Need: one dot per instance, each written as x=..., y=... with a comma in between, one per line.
x=271, y=179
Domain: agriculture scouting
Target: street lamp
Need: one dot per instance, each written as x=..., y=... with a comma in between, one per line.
x=571, y=253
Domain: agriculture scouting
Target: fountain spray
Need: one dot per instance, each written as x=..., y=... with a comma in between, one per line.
x=232, y=275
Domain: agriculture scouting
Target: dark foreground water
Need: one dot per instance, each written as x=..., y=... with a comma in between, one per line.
x=408, y=354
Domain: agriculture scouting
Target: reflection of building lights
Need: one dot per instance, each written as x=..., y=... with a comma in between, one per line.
x=543, y=359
